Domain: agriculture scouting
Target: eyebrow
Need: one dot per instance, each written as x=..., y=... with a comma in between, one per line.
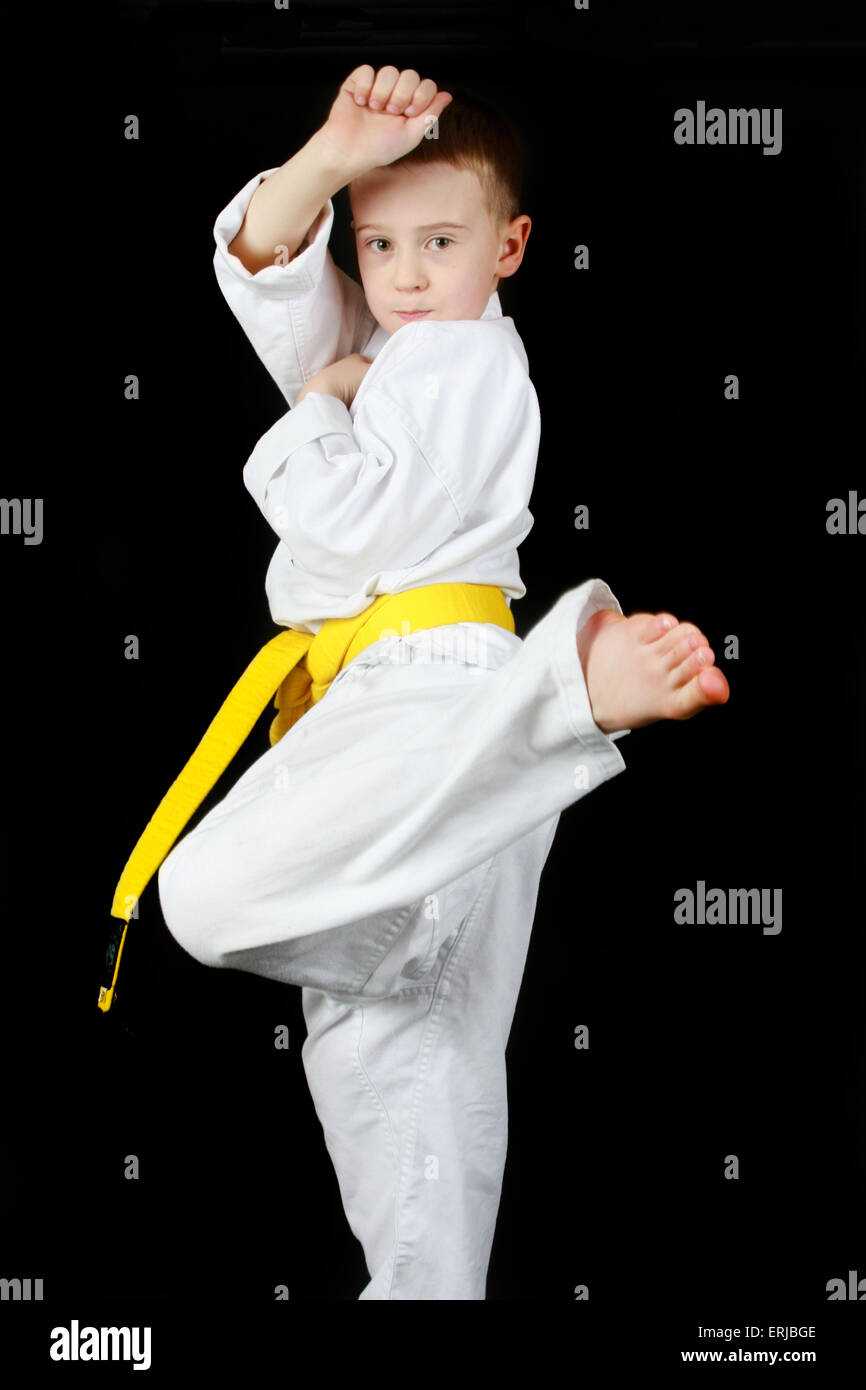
x=431, y=227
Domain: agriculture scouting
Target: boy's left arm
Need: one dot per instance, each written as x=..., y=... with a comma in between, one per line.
x=440, y=416
x=341, y=379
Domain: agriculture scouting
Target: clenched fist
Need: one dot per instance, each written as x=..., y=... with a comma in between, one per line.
x=380, y=116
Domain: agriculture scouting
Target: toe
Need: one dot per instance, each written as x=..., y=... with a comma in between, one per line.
x=690, y=699
x=681, y=655
x=652, y=626
x=713, y=683
x=678, y=641
x=708, y=687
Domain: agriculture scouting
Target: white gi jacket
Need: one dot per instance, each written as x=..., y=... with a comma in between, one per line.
x=426, y=479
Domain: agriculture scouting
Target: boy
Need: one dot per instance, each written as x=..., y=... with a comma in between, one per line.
x=385, y=854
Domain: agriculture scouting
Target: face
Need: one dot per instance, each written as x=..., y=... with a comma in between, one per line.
x=425, y=241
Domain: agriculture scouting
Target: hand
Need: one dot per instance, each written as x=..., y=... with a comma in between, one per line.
x=369, y=138
x=341, y=379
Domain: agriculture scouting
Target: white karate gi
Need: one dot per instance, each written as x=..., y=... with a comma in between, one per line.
x=385, y=856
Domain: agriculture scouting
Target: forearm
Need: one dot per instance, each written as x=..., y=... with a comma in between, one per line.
x=285, y=205
x=341, y=379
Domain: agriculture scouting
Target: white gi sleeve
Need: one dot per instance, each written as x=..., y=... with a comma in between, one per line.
x=438, y=411
x=299, y=317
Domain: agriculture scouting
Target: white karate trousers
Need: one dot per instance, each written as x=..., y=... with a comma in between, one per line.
x=385, y=856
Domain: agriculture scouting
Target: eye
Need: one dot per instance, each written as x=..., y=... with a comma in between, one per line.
x=375, y=241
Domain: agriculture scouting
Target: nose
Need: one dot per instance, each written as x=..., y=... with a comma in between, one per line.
x=409, y=273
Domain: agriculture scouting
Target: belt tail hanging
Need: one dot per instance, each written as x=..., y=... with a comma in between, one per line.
x=117, y=936
x=227, y=731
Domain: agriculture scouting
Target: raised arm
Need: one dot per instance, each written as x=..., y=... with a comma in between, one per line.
x=353, y=140
x=297, y=308
x=284, y=206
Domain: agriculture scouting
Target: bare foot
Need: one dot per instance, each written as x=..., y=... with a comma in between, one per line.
x=646, y=667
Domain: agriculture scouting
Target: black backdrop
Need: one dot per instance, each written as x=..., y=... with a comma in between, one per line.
x=704, y=1041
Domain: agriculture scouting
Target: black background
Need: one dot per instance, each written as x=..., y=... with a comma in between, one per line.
x=704, y=1041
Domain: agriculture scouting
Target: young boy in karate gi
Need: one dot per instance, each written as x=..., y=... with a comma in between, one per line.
x=385, y=854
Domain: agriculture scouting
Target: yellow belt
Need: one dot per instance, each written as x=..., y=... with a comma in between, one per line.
x=300, y=667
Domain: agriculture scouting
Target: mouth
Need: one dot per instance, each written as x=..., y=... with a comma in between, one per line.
x=412, y=313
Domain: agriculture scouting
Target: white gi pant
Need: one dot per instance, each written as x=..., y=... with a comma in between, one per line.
x=385, y=856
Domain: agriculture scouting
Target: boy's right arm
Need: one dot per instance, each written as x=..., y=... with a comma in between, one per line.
x=298, y=309
x=284, y=206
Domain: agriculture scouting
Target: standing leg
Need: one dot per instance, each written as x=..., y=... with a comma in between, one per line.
x=411, y=1093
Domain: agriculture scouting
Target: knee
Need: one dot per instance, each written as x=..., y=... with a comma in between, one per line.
x=186, y=894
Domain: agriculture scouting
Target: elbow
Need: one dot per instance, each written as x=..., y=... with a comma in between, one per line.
x=336, y=558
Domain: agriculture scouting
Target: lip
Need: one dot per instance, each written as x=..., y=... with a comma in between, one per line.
x=409, y=314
